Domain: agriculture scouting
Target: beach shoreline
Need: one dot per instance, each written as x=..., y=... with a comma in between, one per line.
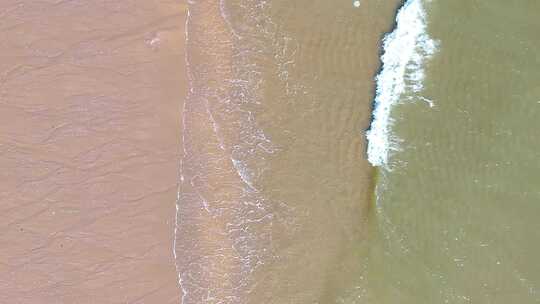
x=251, y=164
x=149, y=162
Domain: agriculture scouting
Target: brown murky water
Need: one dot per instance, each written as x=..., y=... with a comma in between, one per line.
x=457, y=217
x=275, y=187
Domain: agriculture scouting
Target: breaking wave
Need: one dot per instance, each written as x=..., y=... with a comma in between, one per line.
x=404, y=51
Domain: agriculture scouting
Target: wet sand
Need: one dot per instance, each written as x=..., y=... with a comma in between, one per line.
x=90, y=96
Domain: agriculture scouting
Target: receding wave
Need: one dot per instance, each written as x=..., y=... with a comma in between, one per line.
x=404, y=52
x=224, y=223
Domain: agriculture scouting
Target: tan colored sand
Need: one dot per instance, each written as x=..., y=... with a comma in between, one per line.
x=89, y=141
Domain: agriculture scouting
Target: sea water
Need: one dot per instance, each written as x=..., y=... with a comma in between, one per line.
x=455, y=136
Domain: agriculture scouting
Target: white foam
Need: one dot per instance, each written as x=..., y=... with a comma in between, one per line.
x=404, y=52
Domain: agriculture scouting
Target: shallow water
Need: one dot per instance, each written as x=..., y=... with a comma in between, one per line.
x=456, y=217
x=275, y=185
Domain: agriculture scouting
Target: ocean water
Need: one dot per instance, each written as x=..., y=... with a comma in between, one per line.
x=455, y=138
x=281, y=146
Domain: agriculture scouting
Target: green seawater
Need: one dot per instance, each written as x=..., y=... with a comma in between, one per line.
x=457, y=213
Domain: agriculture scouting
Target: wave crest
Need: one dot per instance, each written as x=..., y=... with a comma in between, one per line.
x=404, y=51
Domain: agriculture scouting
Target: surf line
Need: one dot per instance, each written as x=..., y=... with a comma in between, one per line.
x=404, y=51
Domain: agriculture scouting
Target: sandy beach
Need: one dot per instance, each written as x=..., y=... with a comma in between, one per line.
x=90, y=100
x=141, y=165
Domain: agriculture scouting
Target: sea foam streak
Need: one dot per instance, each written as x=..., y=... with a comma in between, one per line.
x=405, y=50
